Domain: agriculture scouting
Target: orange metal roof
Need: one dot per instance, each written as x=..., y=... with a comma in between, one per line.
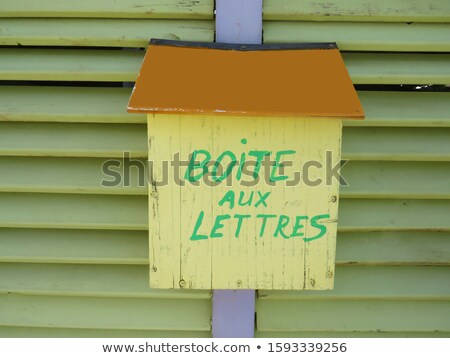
x=257, y=80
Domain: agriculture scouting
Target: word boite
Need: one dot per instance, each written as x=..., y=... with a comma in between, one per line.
x=244, y=164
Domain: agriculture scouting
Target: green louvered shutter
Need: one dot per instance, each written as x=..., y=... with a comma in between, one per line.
x=73, y=253
x=393, y=244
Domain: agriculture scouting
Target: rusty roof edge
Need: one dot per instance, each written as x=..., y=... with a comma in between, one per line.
x=246, y=47
x=217, y=112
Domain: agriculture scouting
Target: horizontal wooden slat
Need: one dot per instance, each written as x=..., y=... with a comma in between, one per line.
x=430, y=144
x=24, y=210
x=74, y=246
x=131, y=247
x=374, y=179
x=113, y=140
x=115, y=65
x=101, y=313
x=385, y=215
x=397, y=144
x=363, y=36
x=85, y=280
x=70, y=175
x=48, y=332
x=411, y=180
x=353, y=315
x=101, y=32
x=409, y=109
x=73, y=140
x=67, y=104
x=376, y=283
x=106, y=8
x=393, y=248
x=358, y=10
x=73, y=211
x=378, y=68
x=337, y=334
x=108, y=105
x=69, y=65
x=350, y=36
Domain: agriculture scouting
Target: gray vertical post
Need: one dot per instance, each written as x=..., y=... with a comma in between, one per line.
x=237, y=21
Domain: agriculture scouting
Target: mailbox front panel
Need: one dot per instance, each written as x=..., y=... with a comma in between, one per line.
x=242, y=202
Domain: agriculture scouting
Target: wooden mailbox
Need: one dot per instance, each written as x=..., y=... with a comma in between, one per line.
x=242, y=139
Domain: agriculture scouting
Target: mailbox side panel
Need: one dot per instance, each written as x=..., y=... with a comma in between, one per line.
x=175, y=260
x=164, y=203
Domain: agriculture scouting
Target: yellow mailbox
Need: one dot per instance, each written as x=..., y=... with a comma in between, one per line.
x=243, y=142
